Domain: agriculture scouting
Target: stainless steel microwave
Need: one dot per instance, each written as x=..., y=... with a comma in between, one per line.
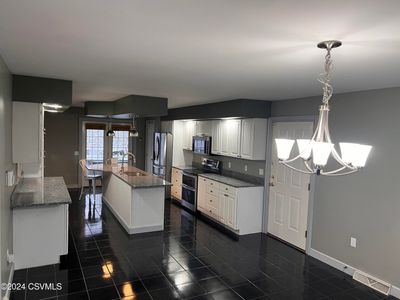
x=202, y=144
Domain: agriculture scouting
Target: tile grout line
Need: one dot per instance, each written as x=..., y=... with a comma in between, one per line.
x=98, y=248
x=79, y=260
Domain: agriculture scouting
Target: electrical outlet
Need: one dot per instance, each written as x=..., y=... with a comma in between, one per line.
x=353, y=242
x=76, y=153
x=261, y=172
x=245, y=168
x=229, y=165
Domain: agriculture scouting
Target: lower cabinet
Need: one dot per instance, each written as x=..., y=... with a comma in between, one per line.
x=176, y=180
x=238, y=209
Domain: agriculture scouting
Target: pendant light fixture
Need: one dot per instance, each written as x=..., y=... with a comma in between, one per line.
x=315, y=152
x=110, y=131
x=133, y=132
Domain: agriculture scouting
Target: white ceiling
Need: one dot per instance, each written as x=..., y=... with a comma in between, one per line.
x=195, y=51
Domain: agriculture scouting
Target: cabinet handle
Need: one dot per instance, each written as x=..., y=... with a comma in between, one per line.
x=210, y=200
x=226, y=195
x=226, y=189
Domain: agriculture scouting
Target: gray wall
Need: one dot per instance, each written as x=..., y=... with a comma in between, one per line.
x=364, y=205
x=5, y=164
x=61, y=140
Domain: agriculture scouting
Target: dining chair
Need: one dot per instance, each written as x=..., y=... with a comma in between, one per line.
x=90, y=176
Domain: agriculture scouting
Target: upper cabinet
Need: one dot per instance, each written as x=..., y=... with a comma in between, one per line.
x=253, y=139
x=188, y=132
x=230, y=137
x=216, y=137
x=27, y=132
x=240, y=138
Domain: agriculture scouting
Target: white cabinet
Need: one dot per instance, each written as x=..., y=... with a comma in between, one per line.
x=203, y=127
x=40, y=235
x=27, y=132
x=240, y=138
x=188, y=133
x=216, y=137
x=253, y=139
x=28, y=138
x=239, y=209
x=230, y=137
x=176, y=180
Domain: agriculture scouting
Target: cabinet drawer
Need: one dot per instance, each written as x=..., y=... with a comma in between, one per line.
x=210, y=183
x=212, y=191
x=212, y=201
x=227, y=189
x=212, y=211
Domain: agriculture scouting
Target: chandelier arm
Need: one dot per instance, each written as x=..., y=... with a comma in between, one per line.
x=290, y=160
x=295, y=169
x=339, y=174
x=308, y=166
x=335, y=154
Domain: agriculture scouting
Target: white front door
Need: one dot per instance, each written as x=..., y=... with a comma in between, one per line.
x=150, y=128
x=288, y=190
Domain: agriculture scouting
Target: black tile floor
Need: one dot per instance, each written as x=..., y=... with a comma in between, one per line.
x=188, y=260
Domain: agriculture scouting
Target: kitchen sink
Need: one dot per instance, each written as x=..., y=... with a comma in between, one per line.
x=134, y=173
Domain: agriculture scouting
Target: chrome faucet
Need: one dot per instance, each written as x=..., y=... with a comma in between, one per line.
x=123, y=157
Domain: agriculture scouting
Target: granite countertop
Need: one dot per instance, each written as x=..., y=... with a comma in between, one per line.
x=229, y=180
x=183, y=167
x=145, y=180
x=35, y=192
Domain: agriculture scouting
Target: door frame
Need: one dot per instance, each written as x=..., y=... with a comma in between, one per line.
x=271, y=121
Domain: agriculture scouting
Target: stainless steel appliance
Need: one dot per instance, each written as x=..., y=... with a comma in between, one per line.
x=162, y=156
x=189, y=181
x=201, y=144
x=189, y=190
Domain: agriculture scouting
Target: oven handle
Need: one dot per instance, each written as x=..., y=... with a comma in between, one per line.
x=188, y=187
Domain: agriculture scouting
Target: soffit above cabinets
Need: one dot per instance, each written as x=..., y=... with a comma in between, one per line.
x=128, y=107
x=238, y=108
x=55, y=93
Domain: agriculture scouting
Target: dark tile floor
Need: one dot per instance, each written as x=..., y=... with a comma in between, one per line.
x=190, y=259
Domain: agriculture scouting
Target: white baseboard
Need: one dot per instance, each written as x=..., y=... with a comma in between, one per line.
x=395, y=291
x=333, y=262
x=337, y=264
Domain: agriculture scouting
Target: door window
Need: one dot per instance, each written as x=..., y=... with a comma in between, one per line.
x=95, y=135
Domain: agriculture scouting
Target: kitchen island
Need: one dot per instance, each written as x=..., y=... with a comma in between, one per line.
x=136, y=198
x=40, y=221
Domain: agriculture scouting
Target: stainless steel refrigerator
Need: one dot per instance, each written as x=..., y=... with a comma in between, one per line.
x=162, y=157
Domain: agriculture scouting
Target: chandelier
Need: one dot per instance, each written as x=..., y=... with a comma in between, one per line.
x=315, y=152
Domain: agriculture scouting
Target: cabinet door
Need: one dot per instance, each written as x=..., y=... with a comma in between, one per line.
x=216, y=137
x=176, y=180
x=27, y=132
x=222, y=209
x=247, y=138
x=201, y=193
x=230, y=209
x=224, y=138
x=188, y=134
x=234, y=137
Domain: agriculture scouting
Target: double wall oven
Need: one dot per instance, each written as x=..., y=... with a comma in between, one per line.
x=189, y=190
x=189, y=181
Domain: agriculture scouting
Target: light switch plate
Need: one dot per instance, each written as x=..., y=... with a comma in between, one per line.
x=353, y=242
x=76, y=153
x=261, y=172
x=245, y=168
x=229, y=165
